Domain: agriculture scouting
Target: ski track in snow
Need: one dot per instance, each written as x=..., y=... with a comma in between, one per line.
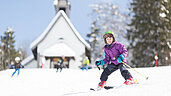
x=70, y=82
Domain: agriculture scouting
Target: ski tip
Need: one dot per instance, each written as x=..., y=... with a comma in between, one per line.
x=92, y=89
x=108, y=87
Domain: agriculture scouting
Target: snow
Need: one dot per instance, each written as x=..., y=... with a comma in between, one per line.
x=162, y=15
x=55, y=50
x=70, y=82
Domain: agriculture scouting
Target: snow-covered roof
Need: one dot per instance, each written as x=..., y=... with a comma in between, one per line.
x=55, y=50
x=28, y=59
x=60, y=13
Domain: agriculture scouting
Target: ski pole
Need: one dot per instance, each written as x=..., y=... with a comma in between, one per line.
x=135, y=70
x=98, y=68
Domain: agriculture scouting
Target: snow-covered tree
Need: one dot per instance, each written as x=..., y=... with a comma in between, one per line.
x=94, y=41
x=8, y=47
x=110, y=17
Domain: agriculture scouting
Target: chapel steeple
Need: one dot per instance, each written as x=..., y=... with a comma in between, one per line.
x=62, y=5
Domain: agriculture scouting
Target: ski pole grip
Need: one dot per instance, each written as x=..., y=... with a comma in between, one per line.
x=98, y=67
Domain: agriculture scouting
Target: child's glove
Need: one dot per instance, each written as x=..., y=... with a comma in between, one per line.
x=101, y=62
x=120, y=58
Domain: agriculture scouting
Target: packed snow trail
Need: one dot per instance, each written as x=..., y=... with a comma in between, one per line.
x=70, y=82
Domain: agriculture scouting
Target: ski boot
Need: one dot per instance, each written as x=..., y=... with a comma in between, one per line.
x=101, y=84
x=129, y=81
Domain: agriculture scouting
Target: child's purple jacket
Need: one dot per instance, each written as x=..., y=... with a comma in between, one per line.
x=112, y=52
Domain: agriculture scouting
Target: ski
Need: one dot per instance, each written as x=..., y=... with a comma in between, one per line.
x=108, y=87
x=105, y=87
x=95, y=89
x=112, y=87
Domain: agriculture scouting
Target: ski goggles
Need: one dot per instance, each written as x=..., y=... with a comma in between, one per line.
x=108, y=35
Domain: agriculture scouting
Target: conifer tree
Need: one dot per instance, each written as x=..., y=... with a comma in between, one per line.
x=149, y=32
x=8, y=48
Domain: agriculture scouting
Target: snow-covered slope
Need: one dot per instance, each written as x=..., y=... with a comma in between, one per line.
x=46, y=82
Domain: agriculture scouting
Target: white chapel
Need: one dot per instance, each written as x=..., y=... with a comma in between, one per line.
x=60, y=38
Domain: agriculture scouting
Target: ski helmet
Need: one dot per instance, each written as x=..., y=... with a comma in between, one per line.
x=108, y=34
x=17, y=59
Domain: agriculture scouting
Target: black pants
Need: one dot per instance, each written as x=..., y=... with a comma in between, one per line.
x=59, y=67
x=111, y=68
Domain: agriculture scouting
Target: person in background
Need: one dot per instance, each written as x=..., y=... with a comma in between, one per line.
x=59, y=63
x=43, y=61
x=17, y=66
x=86, y=64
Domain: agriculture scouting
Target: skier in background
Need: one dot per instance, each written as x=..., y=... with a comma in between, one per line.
x=59, y=63
x=115, y=53
x=86, y=64
x=17, y=66
x=43, y=61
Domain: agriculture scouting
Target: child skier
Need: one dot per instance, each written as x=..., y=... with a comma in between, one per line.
x=17, y=66
x=115, y=53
